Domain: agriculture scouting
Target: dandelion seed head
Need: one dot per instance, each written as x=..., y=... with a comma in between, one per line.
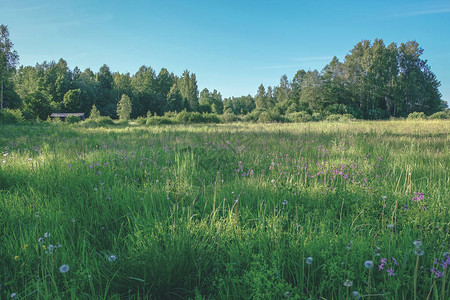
x=368, y=264
x=64, y=269
x=348, y=283
x=417, y=243
x=356, y=295
x=112, y=258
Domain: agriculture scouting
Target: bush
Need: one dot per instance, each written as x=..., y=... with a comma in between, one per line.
x=159, y=120
x=417, y=116
x=377, y=114
x=99, y=121
x=11, y=116
x=141, y=120
x=339, y=118
x=228, y=117
x=301, y=116
x=440, y=115
x=317, y=116
x=70, y=119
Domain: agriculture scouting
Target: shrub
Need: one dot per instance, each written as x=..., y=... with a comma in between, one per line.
x=99, y=121
x=441, y=115
x=141, y=120
x=70, y=119
x=301, y=116
x=159, y=120
x=228, y=117
x=377, y=114
x=11, y=116
x=339, y=118
x=417, y=116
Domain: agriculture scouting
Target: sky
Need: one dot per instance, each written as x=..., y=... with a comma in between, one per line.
x=232, y=46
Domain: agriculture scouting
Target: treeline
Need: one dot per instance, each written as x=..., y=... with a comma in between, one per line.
x=374, y=81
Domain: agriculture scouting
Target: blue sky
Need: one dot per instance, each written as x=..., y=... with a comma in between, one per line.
x=232, y=46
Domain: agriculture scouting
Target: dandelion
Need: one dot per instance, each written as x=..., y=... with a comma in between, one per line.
x=348, y=283
x=368, y=264
x=417, y=244
x=419, y=252
x=356, y=295
x=309, y=260
x=390, y=272
x=112, y=258
x=64, y=269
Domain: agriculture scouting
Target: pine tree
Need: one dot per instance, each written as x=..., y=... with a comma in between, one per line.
x=124, y=108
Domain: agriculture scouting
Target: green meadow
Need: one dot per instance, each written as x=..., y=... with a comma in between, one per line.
x=356, y=210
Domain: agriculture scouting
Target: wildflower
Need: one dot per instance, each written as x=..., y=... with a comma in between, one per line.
x=418, y=196
x=356, y=295
x=64, y=268
x=419, y=252
x=417, y=244
x=348, y=283
x=41, y=240
x=390, y=272
x=47, y=234
x=309, y=260
x=16, y=258
x=395, y=261
x=36, y=215
x=51, y=248
x=390, y=226
x=273, y=181
x=285, y=202
x=13, y=296
x=368, y=264
x=287, y=295
x=112, y=258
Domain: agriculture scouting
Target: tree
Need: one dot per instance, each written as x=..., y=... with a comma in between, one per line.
x=72, y=100
x=124, y=108
x=8, y=59
x=95, y=114
x=174, y=99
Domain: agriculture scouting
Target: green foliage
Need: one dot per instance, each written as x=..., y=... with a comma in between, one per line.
x=301, y=116
x=11, y=116
x=440, y=115
x=417, y=116
x=71, y=119
x=72, y=101
x=94, y=114
x=124, y=108
x=96, y=122
x=228, y=117
x=339, y=118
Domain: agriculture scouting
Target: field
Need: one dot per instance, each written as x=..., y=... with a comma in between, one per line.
x=237, y=211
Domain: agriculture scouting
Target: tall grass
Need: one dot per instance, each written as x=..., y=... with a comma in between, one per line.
x=226, y=211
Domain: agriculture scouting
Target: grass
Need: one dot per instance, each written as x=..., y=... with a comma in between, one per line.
x=225, y=211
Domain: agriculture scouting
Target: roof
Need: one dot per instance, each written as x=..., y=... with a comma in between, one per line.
x=63, y=115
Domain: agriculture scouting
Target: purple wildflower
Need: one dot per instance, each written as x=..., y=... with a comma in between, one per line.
x=418, y=196
x=390, y=272
x=395, y=261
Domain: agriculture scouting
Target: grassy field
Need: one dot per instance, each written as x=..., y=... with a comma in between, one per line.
x=238, y=211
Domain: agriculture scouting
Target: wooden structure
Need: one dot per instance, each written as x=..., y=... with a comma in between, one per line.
x=63, y=116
